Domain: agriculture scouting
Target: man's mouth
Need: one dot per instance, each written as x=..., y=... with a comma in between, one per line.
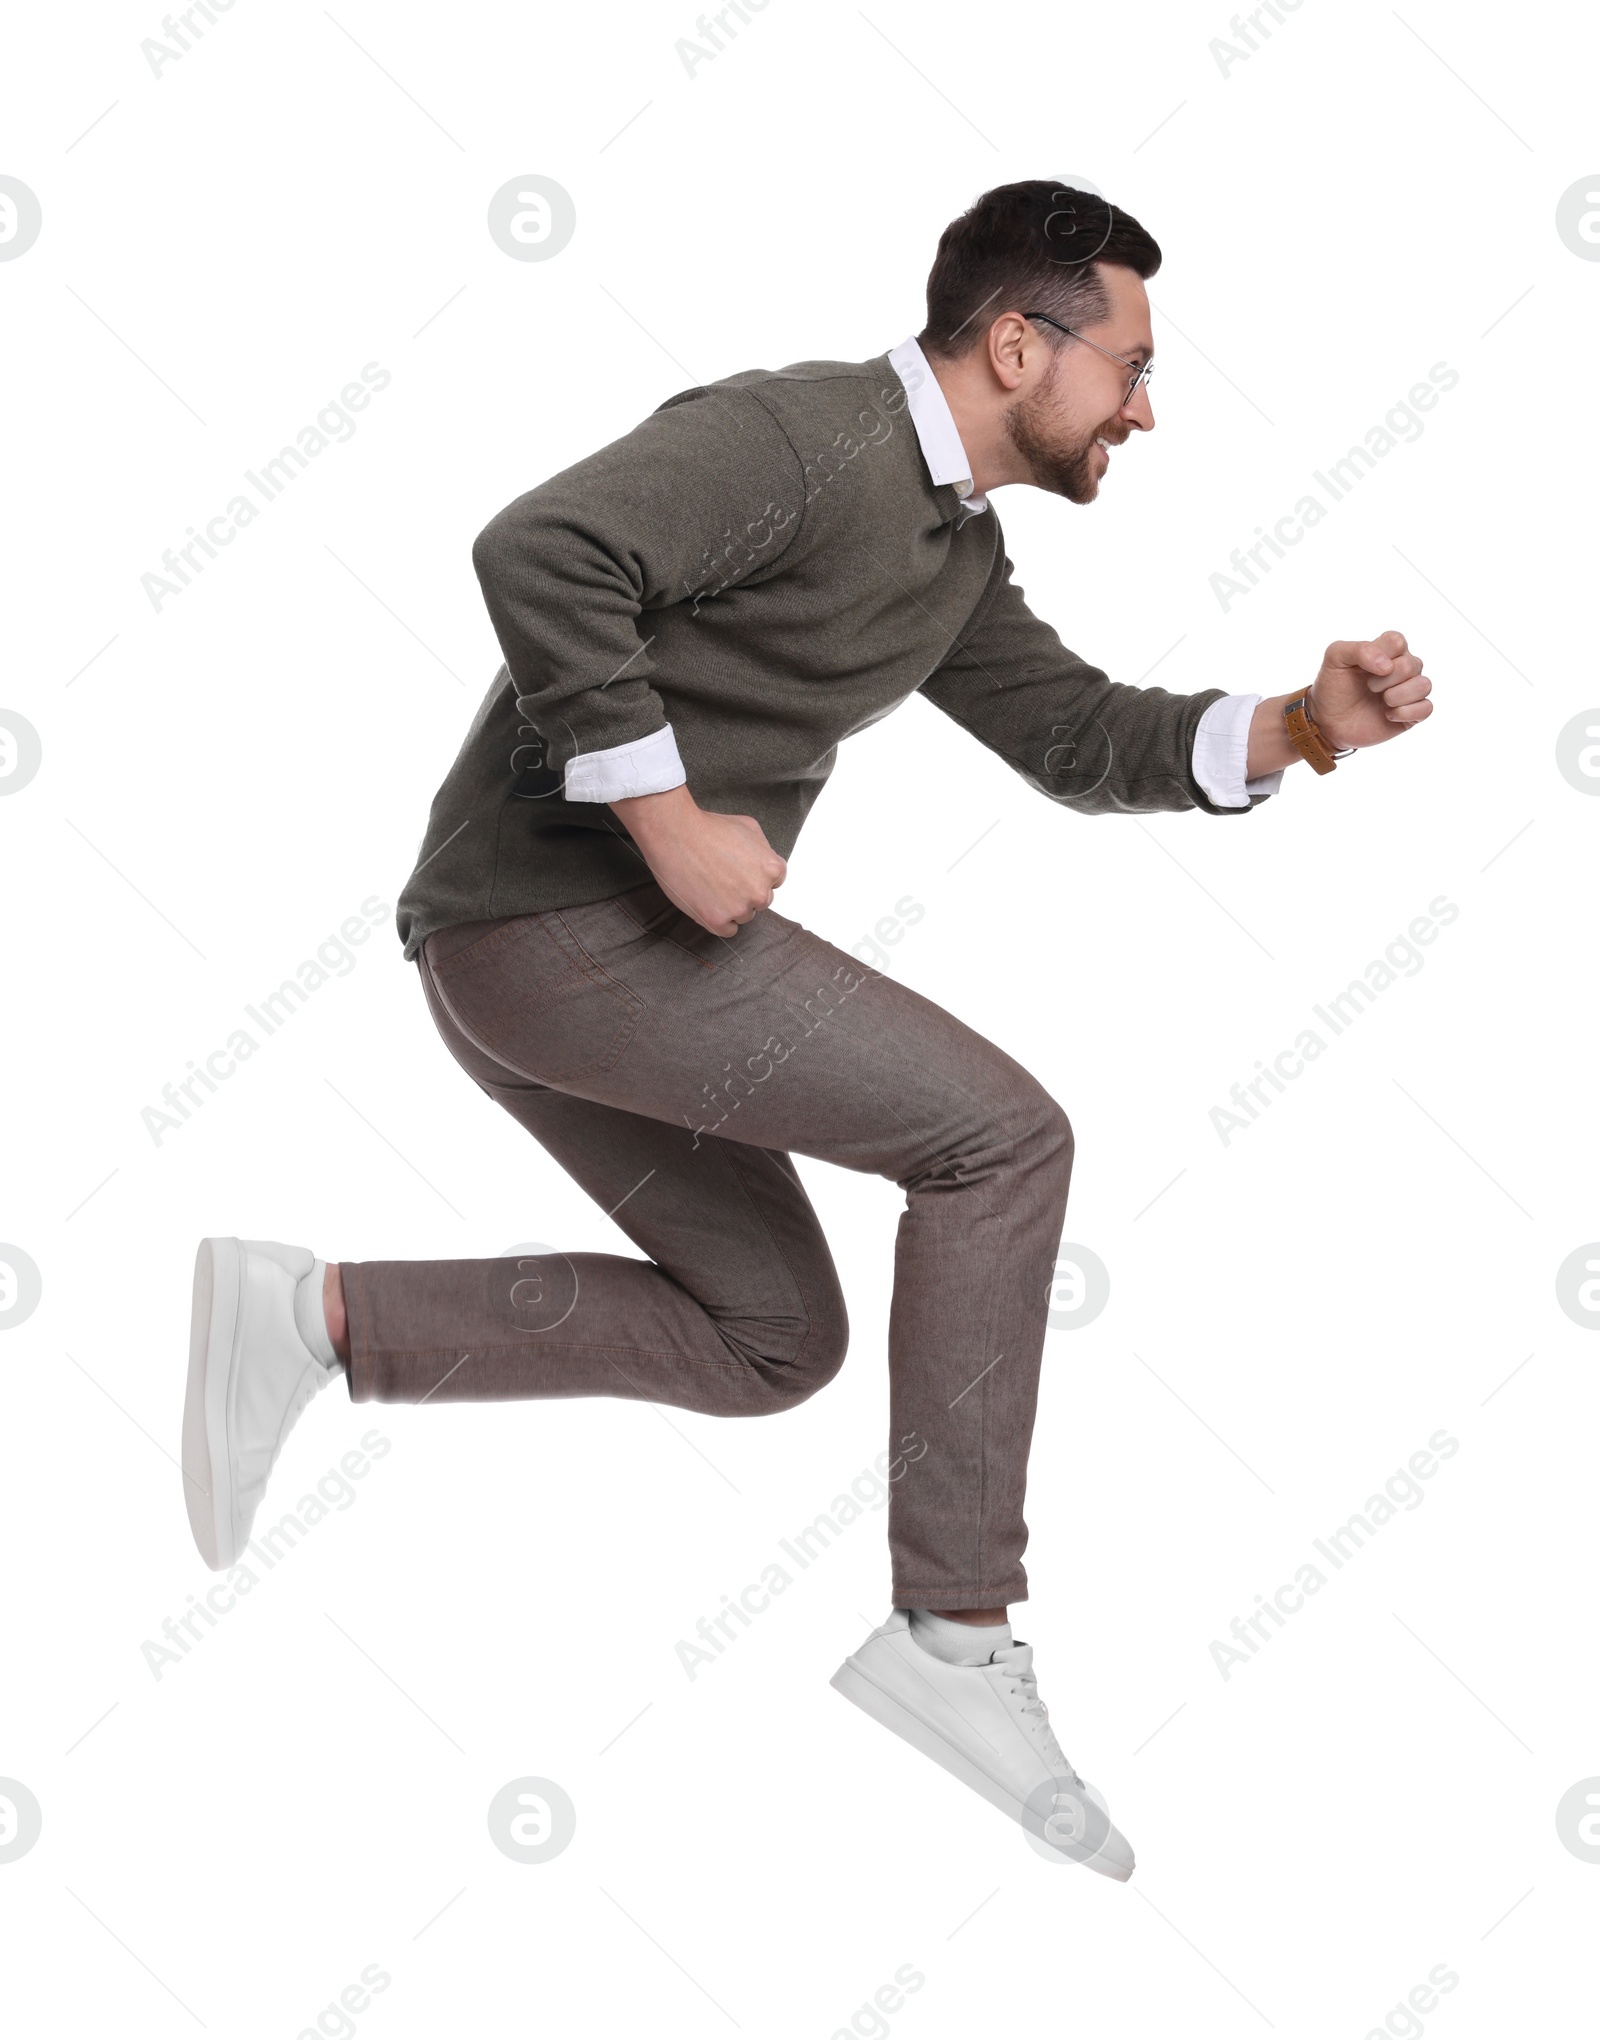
x=1104, y=445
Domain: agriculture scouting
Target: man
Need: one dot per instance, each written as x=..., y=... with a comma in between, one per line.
x=693, y=619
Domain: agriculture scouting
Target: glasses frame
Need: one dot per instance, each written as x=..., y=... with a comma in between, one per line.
x=1139, y=376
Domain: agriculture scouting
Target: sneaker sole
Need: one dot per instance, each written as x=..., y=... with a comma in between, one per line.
x=895, y=1716
x=207, y=1488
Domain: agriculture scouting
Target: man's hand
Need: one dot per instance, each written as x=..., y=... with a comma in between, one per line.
x=720, y=870
x=1364, y=694
x=1367, y=693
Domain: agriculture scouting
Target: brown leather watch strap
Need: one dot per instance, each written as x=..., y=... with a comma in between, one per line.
x=1307, y=739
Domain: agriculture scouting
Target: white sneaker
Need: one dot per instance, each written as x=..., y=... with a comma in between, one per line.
x=987, y=1726
x=250, y=1375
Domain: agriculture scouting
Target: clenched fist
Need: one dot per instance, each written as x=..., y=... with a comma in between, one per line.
x=720, y=870
x=1366, y=693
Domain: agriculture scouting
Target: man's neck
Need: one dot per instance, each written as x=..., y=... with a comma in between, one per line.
x=968, y=389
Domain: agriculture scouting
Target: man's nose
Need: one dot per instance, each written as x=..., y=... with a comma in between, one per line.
x=1139, y=411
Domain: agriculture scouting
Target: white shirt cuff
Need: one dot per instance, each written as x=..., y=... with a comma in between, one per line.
x=647, y=765
x=1221, y=745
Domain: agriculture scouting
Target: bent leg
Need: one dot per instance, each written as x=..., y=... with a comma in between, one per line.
x=737, y=1312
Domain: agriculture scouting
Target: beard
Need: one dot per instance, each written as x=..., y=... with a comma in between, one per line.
x=1064, y=466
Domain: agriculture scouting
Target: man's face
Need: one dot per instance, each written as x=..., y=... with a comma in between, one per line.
x=1066, y=425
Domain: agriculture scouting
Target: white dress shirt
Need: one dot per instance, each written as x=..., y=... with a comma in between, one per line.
x=652, y=765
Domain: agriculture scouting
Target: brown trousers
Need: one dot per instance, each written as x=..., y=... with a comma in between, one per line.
x=673, y=1073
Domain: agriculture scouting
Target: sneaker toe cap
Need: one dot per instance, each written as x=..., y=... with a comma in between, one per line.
x=1114, y=1857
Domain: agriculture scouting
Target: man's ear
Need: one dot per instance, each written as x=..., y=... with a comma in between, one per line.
x=1010, y=338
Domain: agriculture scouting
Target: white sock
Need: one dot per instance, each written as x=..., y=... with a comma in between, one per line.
x=310, y=1319
x=958, y=1643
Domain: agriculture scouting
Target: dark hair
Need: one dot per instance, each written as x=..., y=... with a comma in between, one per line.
x=1028, y=247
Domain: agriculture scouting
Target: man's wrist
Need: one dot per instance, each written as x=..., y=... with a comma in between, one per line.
x=648, y=815
x=1269, y=748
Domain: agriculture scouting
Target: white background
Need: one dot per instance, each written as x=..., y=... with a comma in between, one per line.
x=1292, y=1313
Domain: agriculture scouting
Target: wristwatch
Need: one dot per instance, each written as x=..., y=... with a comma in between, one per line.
x=1307, y=738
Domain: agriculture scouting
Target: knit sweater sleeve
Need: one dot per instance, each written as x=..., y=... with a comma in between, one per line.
x=1076, y=736
x=705, y=492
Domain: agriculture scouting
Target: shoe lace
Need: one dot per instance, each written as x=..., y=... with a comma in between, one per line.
x=1037, y=1714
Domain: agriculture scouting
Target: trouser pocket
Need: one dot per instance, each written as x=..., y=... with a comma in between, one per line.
x=532, y=997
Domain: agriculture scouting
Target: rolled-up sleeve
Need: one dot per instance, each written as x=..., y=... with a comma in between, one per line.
x=1221, y=750
x=647, y=765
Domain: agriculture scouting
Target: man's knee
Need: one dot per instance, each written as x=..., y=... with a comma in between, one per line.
x=1011, y=1126
x=1032, y=1132
x=822, y=1353
x=1052, y=1131
x=793, y=1356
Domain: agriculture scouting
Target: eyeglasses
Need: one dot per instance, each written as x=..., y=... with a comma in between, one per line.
x=1138, y=375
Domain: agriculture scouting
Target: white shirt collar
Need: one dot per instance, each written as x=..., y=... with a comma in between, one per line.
x=935, y=427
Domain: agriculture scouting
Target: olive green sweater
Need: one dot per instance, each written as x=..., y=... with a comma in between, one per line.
x=766, y=566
